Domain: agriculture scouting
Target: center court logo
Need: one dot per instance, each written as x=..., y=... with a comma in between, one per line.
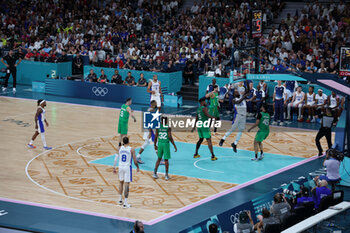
x=153, y=121
x=99, y=91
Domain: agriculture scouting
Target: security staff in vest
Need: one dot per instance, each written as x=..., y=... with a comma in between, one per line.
x=328, y=119
x=245, y=223
x=11, y=65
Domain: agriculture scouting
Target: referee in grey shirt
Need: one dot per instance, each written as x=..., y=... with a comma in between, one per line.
x=327, y=121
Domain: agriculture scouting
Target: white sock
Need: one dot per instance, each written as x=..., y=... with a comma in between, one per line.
x=125, y=201
x=43, y=139
x=138, y=156
x=121, y=198
x=31, y=142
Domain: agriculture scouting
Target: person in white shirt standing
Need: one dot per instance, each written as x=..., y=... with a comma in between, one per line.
x=239, y=118
x=297, y=102
x=156, y=91
x=309, y=105
x=125, y=155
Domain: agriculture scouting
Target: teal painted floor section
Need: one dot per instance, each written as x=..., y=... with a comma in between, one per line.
x=230, y=167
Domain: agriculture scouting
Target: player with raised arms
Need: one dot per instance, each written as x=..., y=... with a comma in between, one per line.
x=124, y=114
x=214, y=104
x=262, y=121
x=203, y=131
x=39, y=120
x=163, y=136
x=239, y=117
x=147, y=135
x=155, y=89
x=125, y=154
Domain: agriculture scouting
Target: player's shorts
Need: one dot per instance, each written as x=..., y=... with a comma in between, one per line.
x=203, y=132
x=123, y=127
x=239, y=122
x=164, y=150
x=125, y=173
x=41, y=128
x=157, y=99
x=261, y=135
x=214, y=112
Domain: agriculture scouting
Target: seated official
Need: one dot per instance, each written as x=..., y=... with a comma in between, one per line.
x=116, y=78
x=129, y=80
x=264, y=219
x=280, y=206
x=103, y=77
x=332, y=165
x=92, y=77
x=142, y=81
x=321, y=190
x=245, y=223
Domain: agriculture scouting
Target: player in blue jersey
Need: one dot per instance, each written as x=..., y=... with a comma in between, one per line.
x=280, y=99
x=40, y=121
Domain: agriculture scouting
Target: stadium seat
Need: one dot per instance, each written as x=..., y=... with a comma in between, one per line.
x=309, y=208
x=289, y=220
x=325, y=203
x=300, y=212
x=273, y=228
x=338, y=197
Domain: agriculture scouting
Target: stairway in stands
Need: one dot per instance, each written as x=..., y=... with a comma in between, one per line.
x=189, y=92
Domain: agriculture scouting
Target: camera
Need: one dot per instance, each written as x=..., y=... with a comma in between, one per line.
x=335, y=154
x=290, y=192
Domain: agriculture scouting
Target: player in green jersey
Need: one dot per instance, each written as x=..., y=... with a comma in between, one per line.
x=163, y=136
x=214, y=103
x=262, y=121
x=203, y=132
x=124, y=114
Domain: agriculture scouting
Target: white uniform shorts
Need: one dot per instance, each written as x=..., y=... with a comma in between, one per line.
x=125, y=173
x=239, y=123
x=157, y=99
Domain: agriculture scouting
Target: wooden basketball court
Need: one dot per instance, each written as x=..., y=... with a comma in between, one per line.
x=79, y=134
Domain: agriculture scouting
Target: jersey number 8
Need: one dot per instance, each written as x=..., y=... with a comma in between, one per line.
x=123, y=157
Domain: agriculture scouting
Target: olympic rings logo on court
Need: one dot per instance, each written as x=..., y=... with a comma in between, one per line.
x=99, y=91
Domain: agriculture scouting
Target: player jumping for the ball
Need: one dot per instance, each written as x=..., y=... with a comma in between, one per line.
x=239, y=118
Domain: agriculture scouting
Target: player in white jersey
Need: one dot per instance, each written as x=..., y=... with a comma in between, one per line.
x=239, y=118
x=124, y=158
x=155, y=89
x=39, y=125
x=297, y=102
x=333, y=103
x=309, y=105
x=147, y=134
x=320, y=102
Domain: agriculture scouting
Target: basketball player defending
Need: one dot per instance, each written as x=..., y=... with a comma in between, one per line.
x=214, y=103
x=203, y=132
x=239, y=118
x=39, y=125
x=164, y=135
x=156, y=91
x=147, y=135
x=262, y=121
x=124, y=114
x=126, y=155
